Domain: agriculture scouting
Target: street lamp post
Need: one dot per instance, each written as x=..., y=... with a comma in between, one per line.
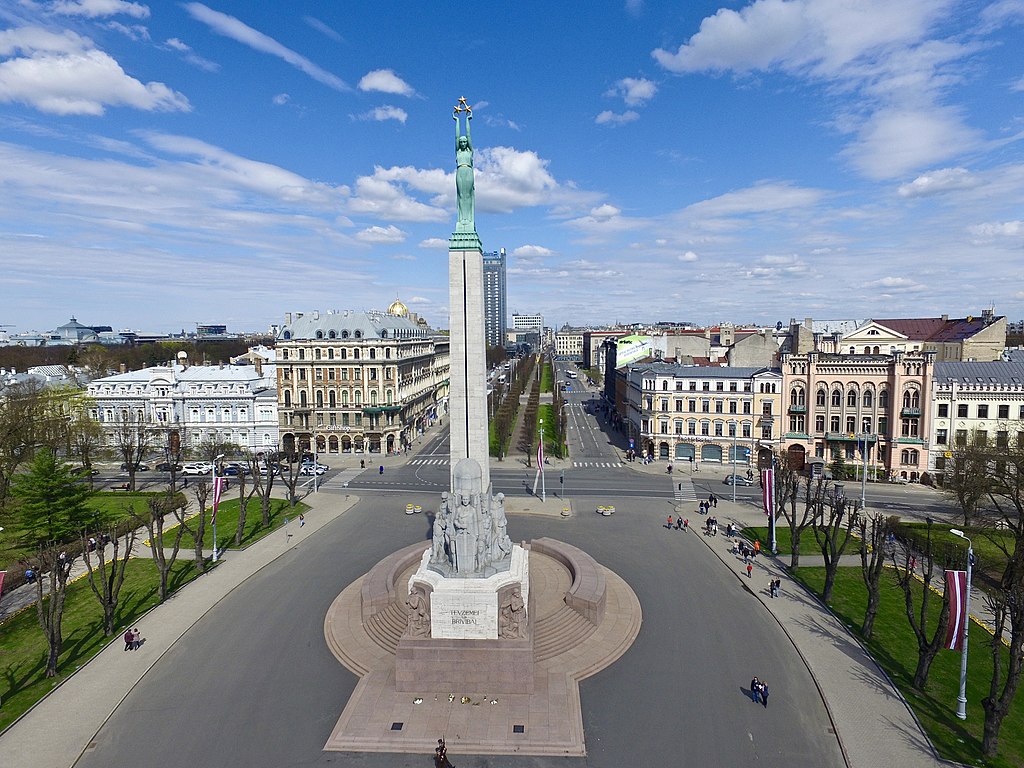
x=864, y=470
x=961, y=700
x=213, y=502
x=733, y=462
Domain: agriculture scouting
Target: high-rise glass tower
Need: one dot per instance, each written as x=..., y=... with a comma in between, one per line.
x=495, y=308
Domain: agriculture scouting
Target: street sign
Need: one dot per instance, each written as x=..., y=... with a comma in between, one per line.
x=948, y=454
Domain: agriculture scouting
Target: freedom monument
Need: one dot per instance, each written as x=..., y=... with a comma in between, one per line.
x=469, y=618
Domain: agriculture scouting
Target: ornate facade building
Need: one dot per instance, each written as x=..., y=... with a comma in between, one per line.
x=714, y=415
x=846, y=405
x=355, y=382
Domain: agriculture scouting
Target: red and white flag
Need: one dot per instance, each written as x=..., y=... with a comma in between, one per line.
x=956, y=593
x=768, y=491
x=2, y=575
x=218, y=485
x=540, y=454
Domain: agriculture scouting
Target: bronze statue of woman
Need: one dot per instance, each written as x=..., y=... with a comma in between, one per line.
x=464, y=171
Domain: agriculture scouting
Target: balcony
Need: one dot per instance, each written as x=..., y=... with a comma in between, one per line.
x=910, y=412
x=849, y=437
x=798, y=408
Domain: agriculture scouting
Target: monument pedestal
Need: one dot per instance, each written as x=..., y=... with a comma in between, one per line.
x=480, y=637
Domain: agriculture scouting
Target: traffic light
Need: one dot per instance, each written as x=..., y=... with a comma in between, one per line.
x=561, y=478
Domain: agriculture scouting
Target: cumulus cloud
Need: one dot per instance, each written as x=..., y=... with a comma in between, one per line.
x=63, y=73
x=98, y=8
x=896, y=285
x=993, y=230
x=532, y=252
x=233, y=28
x=433, y=243
x=386, y=194
x=615, y=118
x=634, y=91
x=381, y=235
x=938, y=182
x=385, y=81
x=380, y=114
x=281, y=99
x=687, y=257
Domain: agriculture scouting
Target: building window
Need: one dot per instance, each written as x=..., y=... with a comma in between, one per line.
x=691, y=427
x=746, y=407
x=766, y=408
x=706, y=386
x=833, y=424
x=1004, y=411
x=908, y=456
x=705, y=406
x=796, y=423
x=837, y=399
x=851, y=423
x=746, y=428
x=961, y=438
x=732, y=429
x=679, y=406
x=732, y=406
x=819, y=423
x=663, y=427
x=718, y=429
x=679, y=427
x=911, y=399
x=883, y=399
x=851, y=399
x=820, y=398
x=705, y=428
x=719, y=406
x=941, y=436
x=980, y=437
x=961, y=411
x=766, y=431
x=1002, y=439
x=693, y=406
x=943, y=410
x=796, y=396
x=719, y=386
x=983, y=411
x=865, y=425
x=908, y=428
x=940, y=463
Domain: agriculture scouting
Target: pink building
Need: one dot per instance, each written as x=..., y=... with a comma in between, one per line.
x=844, y=405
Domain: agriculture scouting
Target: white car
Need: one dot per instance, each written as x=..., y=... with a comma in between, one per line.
x=324, y=467
x=197, y=468
x=309, y=469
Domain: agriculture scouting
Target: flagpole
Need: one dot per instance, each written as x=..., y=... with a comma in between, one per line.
x=961, y=700
x=771, y=517
x=540, y=464
x=213, y=490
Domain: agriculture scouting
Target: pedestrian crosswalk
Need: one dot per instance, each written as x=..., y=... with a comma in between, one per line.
x=684, y=490
x=603, y=464
x=429, y=462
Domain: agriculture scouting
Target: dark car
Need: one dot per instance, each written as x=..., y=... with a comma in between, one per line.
x=234, y=470
x=166, y=466
x=737, y=480
x=138, y=467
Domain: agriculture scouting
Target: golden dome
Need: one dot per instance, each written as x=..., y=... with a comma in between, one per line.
x=398, y=309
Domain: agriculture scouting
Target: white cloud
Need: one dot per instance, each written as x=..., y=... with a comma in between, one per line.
x=380, y=114
x=532, y=252
x=381, y=235
x=322, y=28
x=688, y=256
x=229, y=26
x=939, y=182
x=992, y=230
x=191, y=56
x=385, y=194
x=1002, y=12
x=96, y=8
x=64, y=74
x=896, y=141
x=434, y=243
x=281, y=99
x=634, y=91
x=178, y=45
x=614, y=118
x=133, y=31
x=605, y=211
x=896, y=285
x=385, y=81
x=760, y=198
x=1018, y=86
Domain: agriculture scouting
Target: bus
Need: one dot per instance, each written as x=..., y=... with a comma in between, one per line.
x=571, y=374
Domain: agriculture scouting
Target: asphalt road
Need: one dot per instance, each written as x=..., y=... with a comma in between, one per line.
x=253, y=684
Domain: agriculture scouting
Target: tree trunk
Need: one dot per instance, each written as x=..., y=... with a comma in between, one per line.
x=924, y=665
x=794, y=557
x=868, y=626
x=830, y=581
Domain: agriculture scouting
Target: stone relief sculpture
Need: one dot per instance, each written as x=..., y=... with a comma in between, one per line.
x=419, y=613
x=512, y=615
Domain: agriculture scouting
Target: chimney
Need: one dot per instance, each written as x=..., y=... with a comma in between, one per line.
x=258, y=362
x=945, y=318
x=123, y=368
x=287, y=318
x=316, y=314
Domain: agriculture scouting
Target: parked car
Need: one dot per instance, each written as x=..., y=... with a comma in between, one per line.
x=737, y=480
x=309, y=469
x=140, y=467
x=232, y=470
x=310, y=464
x=197, y=468
x=273, y=468
x=166, y=466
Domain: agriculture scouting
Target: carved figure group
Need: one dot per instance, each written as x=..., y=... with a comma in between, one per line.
x=419, y=615
x=511, y=615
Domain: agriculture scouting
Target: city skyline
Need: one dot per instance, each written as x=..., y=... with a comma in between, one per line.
x=164, y=165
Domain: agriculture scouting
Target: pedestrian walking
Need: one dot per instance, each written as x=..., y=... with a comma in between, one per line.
x=669, y=526
x=686, y=524
x=679, y=523
x=382, y=469
x=129, y=639
x=764, y=694
x=302, y=520
x=136, y=639
x=771, y=588
x=30, y=576
x=757, y=548
x=714, y=501
x=913, y=564
x=750, y=571
x=755, y=689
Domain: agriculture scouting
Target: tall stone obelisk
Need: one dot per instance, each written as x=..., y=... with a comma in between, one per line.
x=468, y=346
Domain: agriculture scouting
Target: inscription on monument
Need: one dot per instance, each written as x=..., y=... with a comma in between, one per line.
x=466, y=616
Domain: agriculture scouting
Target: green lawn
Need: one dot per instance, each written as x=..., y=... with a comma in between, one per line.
x=808, y=545
x=23, y=658
x=894, y=647
x=227, y=522
x=547, y=378
x=989, y=558
x=551, y=447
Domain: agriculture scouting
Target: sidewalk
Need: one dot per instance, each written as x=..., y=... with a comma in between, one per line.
x=46, y=737
x=873, y=723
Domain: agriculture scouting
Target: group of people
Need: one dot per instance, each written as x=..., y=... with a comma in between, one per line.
x=441, y=755
x=774, y=586
x=711, y=526
x=133, y=639
x=705, y=506
x=681, y=524
x=759, y=691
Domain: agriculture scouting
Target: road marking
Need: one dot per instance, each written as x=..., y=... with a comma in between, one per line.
x=603, y=464
x=684, y=490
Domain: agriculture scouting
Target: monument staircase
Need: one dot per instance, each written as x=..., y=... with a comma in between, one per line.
x=387, y=626
x=559, y=632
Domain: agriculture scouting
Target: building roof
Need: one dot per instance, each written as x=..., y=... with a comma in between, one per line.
x=828, y=327
x=193, y=373
x=351, y=325
x=915, y=329
x=975, y=373
x=699, y=371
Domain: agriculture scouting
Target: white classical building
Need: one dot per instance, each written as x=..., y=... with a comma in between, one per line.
x=981, y=401
x=234, y=404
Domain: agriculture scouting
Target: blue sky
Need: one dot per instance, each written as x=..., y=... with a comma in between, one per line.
x=163, y=164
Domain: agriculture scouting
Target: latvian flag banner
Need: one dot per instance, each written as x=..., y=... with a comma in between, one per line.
x=540, y=455
x=768, y=491
x=218, y=485
x=956, y=592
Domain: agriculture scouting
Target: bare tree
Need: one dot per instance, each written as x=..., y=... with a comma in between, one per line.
x=85, y=437
x=264, y=469
x=966, y=478
x=290, y=475
x=904, y=560
x=55, y=568
x=196, y=524
x=874, y=539
x=158, y=507
x=835, y=518
x=799, y=513
x=245, y=472
x=133, y=440
x=1005, y=470
x=106, y=577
